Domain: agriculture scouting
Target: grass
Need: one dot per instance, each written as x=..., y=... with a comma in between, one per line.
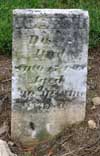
x=6, y=7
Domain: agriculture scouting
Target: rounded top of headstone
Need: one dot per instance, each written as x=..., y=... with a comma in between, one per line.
x=49, y=11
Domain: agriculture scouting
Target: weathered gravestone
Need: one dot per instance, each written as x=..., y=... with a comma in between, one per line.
x=50, y=49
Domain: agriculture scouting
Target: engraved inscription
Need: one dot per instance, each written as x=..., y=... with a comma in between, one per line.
x=45, y=100
x=43, y=22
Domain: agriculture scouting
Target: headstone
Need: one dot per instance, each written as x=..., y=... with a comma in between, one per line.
x=50, y=53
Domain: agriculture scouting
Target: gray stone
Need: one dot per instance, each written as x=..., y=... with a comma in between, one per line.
x=50, y=53
x=92, y=124
x=4, y=129
x=96, y=101
x=4, y=149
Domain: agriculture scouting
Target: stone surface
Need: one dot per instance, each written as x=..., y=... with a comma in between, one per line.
x=4, y=149
x=92, y=124
x=96, y=101
x=4, y=129
x=50, y=53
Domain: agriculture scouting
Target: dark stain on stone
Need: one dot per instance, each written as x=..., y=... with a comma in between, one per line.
x=18, y=33
x=32, y=125
x=50, y=54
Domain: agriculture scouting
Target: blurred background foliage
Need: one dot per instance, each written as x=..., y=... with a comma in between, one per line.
x=6, y=7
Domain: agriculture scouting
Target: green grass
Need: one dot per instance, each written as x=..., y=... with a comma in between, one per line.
x=6, y=7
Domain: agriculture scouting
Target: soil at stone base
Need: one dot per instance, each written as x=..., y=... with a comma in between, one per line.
x=77, y=140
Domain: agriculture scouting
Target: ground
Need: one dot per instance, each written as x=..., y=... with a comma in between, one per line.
x=77, y=140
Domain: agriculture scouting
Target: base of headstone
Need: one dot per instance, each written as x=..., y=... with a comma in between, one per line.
x=54, y=122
